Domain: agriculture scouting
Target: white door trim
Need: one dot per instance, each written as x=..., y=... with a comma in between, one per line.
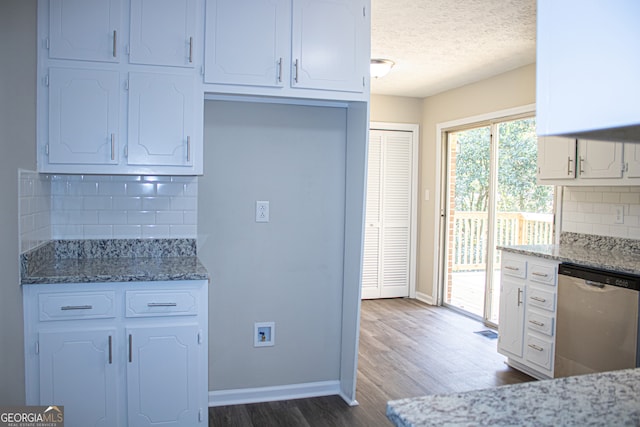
x=414, y=129
x=436, y=295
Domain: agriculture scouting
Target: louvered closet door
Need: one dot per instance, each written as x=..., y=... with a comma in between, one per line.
x=387, y=242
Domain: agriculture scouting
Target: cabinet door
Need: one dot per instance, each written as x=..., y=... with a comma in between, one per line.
x=632, y=160
x=163, y=32
x=78, y=370
x=84, y=117
x=329, y=45
x=511, y=324
x=599, y=159
x=247, y=42
x=162, y=376
x=556, y=158
x=161, y=119
x=85, y=29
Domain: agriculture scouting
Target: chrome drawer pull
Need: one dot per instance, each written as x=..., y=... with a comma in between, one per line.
x=76, y=307
x=535, y=322
x=536, y=348
x=110, y=350
x=538, y=299
x=519, y=295
x=539, y=274
x=162, y=304
x=508, y=267
x=130, y=348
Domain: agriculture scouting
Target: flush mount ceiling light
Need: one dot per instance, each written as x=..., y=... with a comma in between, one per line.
x=381, y=67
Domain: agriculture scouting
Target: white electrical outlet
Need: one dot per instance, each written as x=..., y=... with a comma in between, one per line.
x=262, y=211
x=619, y=214
x=264, y=334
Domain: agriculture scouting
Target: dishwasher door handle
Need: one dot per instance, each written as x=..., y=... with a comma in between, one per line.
x=594, y=284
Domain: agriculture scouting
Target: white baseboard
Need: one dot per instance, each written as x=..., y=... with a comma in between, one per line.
x=427, y=299
x=271, y=394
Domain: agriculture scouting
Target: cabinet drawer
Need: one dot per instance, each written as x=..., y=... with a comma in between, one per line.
x=540, y=322
x=542, y=299
x=161, y=303
x=542, y=274
x=77, y=305
x=539, y=351
x=514, y=267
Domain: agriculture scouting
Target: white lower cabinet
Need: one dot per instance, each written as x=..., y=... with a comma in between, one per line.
x=527, y=313
x=111, y=366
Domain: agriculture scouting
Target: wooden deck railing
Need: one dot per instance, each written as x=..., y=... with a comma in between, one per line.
x=469, y=238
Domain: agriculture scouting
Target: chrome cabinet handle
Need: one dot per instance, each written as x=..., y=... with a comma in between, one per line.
x=539, y=274
x=581, y=165
x=76, y=307
x=113, y=146
x=130, y=348
x=535, y=322
x=569, y=161
x=519, y=297
x=188, y=148
x=295, y=75
x=190, y=50
x=535, y=347
x=538, y=299
x=110, y=350
x=115, y=42
x=280, y=70
x=162, y=304
x=508, y=267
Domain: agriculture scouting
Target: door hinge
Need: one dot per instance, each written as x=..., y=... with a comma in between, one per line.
x=37, y=347
x=200, y=417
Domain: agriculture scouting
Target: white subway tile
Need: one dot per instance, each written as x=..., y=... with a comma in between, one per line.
x=127, y=203
x=184, y=203
x=631, y=198
x=191, y=189
x=170, y=189
x=98, y=231
x=112, y=188
x=169, y=217
x=59, y=231
x=585, y=207
x=112, y=217
x=127, y=231
x=156, y=231
x=190, y=217
x=156, y=203
x=184, y=231
x=595, y=196
x=97, y=202
x=592, y=218
x=611, y=197
x=141, y=217
x=141, y=189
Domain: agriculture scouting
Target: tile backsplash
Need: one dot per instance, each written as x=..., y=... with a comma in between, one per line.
x=592, y=210
x=63, y=207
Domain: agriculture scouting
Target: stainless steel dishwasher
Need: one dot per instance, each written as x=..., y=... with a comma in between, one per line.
x=597, y=321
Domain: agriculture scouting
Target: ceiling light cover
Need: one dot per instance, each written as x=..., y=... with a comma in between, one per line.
x=381, y=67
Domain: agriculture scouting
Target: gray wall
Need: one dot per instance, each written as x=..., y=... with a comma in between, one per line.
x=288, y=270
x=18, y=136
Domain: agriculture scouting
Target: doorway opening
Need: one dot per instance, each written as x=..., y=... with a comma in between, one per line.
x=492, y=199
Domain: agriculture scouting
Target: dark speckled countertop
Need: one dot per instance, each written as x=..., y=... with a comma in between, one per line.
x=114, y=260
x=601, y=252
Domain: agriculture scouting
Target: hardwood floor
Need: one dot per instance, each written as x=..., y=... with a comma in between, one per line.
x=407, y=349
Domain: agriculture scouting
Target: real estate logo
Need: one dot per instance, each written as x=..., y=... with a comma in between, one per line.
x=31, y=416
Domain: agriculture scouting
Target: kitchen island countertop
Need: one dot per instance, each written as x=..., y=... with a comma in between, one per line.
x=602, y=399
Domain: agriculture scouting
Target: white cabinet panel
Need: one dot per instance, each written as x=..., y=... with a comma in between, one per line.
x=599, y=159
x=77, y=370
x=237, y=56
x=326, y=45
x=556, y=158
x=632, y=160
x=163, y=32
x=511, y=325
x=84, y=108
x=161, y=119
x=85, y=29
x=161, y=373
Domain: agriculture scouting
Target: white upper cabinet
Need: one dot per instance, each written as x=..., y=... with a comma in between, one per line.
x=241, y=57
x=161, y=119
x=632, y=160
x=588, y=68
x=84, y=116
x=599, y=159
x=556, y=158
x=88, y=30
x=300, y=48
x=326, y=48
x=163, y=32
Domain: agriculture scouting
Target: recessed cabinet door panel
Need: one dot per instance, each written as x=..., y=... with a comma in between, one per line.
x=83, y=116
x=253, y=53
x=599, y=159
x=556, y=158
x=163, y=32
x=328, y=56
x=85, y=29
x=162, y=376
x=511, y=324
x=161, y=119
x=632, y=160
x=78, y=370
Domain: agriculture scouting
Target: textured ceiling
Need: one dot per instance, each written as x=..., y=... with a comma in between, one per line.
x=438, y=45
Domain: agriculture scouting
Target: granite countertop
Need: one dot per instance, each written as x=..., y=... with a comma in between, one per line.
x=603, y=399
x=592, y=251
x=112, y=260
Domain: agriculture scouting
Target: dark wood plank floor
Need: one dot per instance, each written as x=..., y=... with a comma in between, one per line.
x=407, y=349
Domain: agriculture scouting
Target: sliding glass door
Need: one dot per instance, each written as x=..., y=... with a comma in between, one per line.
x=492, y=200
